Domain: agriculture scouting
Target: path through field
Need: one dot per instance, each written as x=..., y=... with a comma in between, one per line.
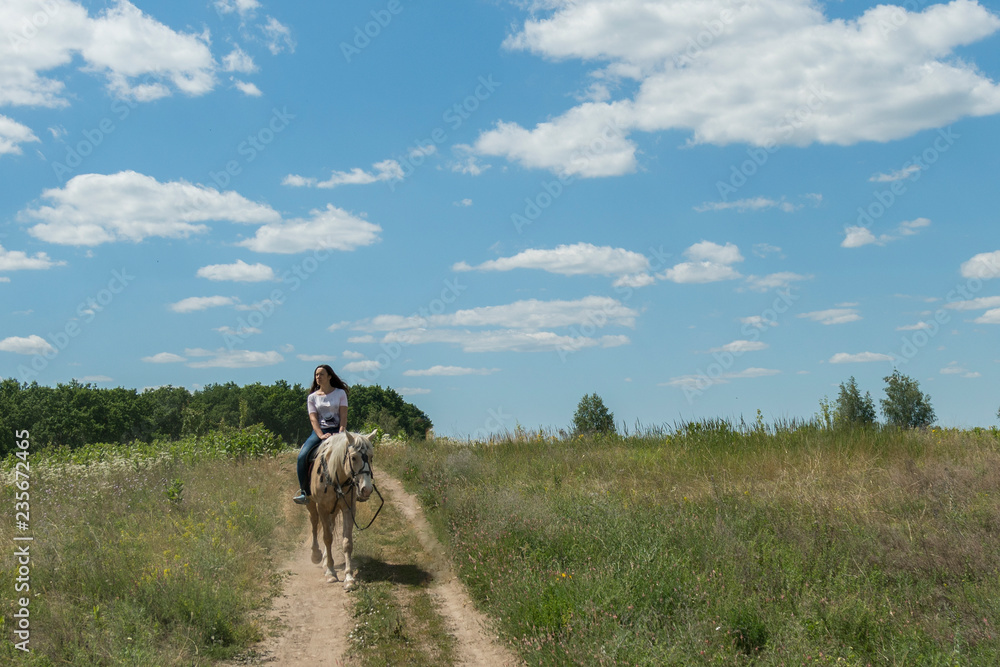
x=316, y=617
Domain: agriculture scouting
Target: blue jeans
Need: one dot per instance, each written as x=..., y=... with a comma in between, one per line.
x=302, y=465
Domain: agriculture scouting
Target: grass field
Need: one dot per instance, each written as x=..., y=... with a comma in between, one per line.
x=160, y=555
x=710, y=544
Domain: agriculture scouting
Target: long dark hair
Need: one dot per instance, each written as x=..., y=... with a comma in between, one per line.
x=334, y=380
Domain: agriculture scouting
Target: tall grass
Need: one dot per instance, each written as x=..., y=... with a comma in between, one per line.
x=158, y=557
x=710, y=543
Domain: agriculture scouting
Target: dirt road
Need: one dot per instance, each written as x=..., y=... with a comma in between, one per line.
x=316, y=617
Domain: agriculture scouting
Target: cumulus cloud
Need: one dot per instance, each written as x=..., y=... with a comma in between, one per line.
x=857, y=236
x=248, y=89
x=450, y=371
x=91, y=209
x=18, y=260
x=983, y=266
x=141, y=58
x=989, y=317
x=238, y=272
x=164, y=358
x=742, y=205
x=239, y=60
x=906, y=172
x=861, y=357
x=326, y=229
x=196, y=303
x=33, y=344
x=386, y=170
x=573, y=260
x=223, y=358
x=832, y=316
x=773, y=281
x=709, y=262
x=840, y=81
x=13, y=134
x=700, y=381
x=740, y=346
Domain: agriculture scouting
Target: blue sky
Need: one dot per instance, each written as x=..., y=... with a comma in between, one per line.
x=497, y=207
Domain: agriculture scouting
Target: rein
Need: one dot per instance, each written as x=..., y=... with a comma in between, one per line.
x=331, y=480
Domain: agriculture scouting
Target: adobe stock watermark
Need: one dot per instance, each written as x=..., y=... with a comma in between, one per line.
x=912, y=169
x=700, y=381
x=364, y=35
x=453, y=117
x=740, y=175
x=496, y=421
x=252, y=146
x=599, y=318
x=551, y=190
x=394, y=343
x=86, y=312
x=911, y=344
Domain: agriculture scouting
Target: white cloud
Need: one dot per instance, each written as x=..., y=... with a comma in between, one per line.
x=569, y=260
x=742, y=205
x=773, y=281
x=386, y=170
x=832, y=316
x=906, y=172
x=983, y=266
x=528, y=314
x=238, y=272
x=33, y=344
x=741, y=346
x=196, y=303
x=910, y=227
x=350, y=354
x=249, y=89
x=464, y=202
x=318, y=358
x=242, y=332
x=240, y=61
x=223, y=358
x=989, y=317
x=840, y=81
x=328, y=229
x=12, y=134
x=361, y=366
x=243, y=7
x=914, y=327
x=277, y=36
x=710, y=262
x=980, y=303
x=450, y=371
x=164, y=358
x=758, y=321
x=140, y=57
x=18, y=260
x=701, y=381
x=413, y=391
x=858, y=236
x=503, y=340
x=92, y=209
x=861, y=357
x=87, y=379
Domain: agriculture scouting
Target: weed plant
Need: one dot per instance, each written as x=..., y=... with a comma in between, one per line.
x=149, y=555
x=714, y=543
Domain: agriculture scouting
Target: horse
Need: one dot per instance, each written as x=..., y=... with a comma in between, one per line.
x=341, y=476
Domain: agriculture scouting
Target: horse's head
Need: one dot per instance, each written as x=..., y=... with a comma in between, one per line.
x=359, y=459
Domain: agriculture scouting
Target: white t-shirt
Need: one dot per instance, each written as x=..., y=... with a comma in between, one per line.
x=327, y=407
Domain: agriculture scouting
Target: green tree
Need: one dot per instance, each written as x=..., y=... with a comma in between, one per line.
x=385, y=408
x=853, y=409
x=592, y=416
x=904, y=405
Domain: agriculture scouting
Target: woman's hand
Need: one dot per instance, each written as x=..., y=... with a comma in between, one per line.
x=324, y=436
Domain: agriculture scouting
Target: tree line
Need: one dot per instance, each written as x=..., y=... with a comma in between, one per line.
x=75, y=414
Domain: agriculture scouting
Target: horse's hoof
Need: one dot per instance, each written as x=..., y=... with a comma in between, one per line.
x=317, y=556
x=350, y=585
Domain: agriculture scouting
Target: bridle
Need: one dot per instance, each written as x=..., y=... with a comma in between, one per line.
x=351, y=483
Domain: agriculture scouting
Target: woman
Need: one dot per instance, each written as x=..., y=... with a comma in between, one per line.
x=327, y=408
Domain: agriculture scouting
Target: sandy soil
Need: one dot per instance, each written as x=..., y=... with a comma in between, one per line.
x=316, y=615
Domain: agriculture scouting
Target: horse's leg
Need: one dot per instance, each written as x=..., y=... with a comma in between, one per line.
x=347, y=517
x=331, y=571
x=317, y=555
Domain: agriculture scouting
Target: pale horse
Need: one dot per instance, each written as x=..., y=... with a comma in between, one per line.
x=341, y=476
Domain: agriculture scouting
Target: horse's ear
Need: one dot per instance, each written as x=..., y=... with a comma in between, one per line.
x=350, y=438
x=371, y=436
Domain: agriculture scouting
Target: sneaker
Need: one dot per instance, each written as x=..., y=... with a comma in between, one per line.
x=301, y=499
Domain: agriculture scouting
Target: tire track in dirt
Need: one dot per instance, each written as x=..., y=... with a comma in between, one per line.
x=316, y=619
x=475, y=645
